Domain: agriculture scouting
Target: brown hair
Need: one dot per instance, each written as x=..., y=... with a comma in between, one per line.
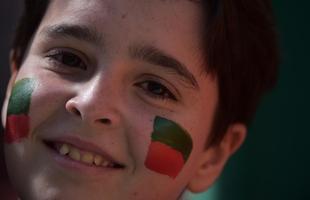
x=240, y=47
x=242, y=51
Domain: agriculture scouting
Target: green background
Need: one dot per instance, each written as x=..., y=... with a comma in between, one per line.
x=274, y=162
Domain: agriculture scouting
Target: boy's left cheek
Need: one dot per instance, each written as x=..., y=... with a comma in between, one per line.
x=170, y=148
x=18, y=121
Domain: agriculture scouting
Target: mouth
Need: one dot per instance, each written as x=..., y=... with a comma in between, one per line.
x=82, y=156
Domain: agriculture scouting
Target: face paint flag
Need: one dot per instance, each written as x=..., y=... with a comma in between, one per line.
x=17, y=123
x=169, y=149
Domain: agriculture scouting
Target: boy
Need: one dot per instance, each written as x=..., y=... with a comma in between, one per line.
x=132, y=99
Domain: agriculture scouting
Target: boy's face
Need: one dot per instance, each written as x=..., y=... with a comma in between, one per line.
x=110, y=102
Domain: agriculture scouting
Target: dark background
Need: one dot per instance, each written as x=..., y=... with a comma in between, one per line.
x=9, y=12
x=274, y=162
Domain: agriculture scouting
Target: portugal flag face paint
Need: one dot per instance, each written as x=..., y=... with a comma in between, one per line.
x=169, y=149
x=17, y=123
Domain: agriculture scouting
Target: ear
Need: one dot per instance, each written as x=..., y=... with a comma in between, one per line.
x=214, y=158
x=14, y=71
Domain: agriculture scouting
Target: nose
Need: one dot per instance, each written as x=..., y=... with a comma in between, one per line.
x=95, y=102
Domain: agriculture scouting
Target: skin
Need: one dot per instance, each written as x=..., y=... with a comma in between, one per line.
x=100, y=91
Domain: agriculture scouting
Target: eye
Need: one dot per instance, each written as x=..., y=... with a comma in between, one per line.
x=66, y=58
x=156, y=90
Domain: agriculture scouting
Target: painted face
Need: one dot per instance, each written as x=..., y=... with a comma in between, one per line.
x=17, y=123
x=110, y=102
x=170, y=148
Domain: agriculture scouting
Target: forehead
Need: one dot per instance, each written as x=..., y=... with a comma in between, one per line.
x=172, y=25
x=162, y=12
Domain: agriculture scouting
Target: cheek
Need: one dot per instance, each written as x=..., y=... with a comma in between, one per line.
x=17, y=123
x=48, y=102
x=32, y=101
x=170, y=148
x=16, y=128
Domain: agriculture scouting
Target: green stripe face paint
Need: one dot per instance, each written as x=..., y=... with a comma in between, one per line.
x=17, y=123
x=170, y=148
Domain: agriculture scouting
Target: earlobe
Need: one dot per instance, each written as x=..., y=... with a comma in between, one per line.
x=205, y=174
x=213, y=160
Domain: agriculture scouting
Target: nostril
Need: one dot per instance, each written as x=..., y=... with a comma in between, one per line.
x=105, y=121
x=75, y=111
x=72, y=107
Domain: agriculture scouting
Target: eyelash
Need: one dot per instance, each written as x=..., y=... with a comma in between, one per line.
x=58, y=57
x=164, y=94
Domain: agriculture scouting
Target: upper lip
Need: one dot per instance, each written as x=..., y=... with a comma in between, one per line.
x=83, y=145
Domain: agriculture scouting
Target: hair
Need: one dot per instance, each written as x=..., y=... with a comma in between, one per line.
x=240, y=44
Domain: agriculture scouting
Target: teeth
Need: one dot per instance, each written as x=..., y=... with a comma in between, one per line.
x=75, y=154
x=64, y=149
x=98, y=160
x=105, y=163
x=85, y=157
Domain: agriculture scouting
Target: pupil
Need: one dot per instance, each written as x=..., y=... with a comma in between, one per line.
x=155, y=87
x=70, y=60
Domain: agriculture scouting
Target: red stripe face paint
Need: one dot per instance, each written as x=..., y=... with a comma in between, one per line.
x=169, y=149
x=17, y=123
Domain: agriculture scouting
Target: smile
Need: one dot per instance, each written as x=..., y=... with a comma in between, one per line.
x=83, y=156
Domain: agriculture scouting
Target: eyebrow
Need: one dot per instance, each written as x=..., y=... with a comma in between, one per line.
x=79, y=32
x=146, y=53
x=157, y=57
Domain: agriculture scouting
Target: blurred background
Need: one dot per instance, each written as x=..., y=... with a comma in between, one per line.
x=9, y=13
x=274, y=163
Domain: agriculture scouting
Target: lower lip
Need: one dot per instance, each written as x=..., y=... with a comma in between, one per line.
x=82, y=168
